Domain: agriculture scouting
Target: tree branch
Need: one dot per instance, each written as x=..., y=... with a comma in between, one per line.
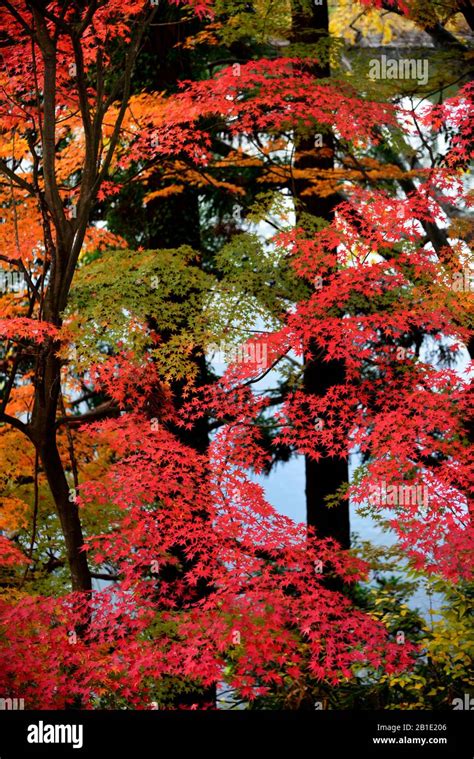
x=440, y=36
x=104, y=576
x=104, y=411
x=15, y=178
x=16, y=423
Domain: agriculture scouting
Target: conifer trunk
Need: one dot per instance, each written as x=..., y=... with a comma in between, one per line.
x=325, y=476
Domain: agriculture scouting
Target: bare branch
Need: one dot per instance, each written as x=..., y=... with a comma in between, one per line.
x=15, y=178
x=104, y=411
x=18, y=17
x=16, y=423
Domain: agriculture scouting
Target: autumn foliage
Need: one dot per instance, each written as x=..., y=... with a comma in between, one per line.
x=208, y=585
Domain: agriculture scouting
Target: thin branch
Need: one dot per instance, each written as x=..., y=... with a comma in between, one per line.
x=17, y=16
x=104, y=576
x=72, y=454
x=53, y=198
x=261, y=376
x=15, y=178
x=11, y=380
x=58, y=21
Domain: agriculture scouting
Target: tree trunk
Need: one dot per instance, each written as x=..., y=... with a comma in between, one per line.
x=68, y=514
x=43, y=432
x=325, y=476
x=174, y=221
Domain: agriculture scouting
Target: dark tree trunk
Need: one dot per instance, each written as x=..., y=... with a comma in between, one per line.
x=68, y=515
x=171, y=222
x=43, y=435
x=325, y=476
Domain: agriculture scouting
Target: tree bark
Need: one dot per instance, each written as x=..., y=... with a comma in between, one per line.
x=43, y=432
x=325, y=476
x=174, y=221
x=68, y=515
